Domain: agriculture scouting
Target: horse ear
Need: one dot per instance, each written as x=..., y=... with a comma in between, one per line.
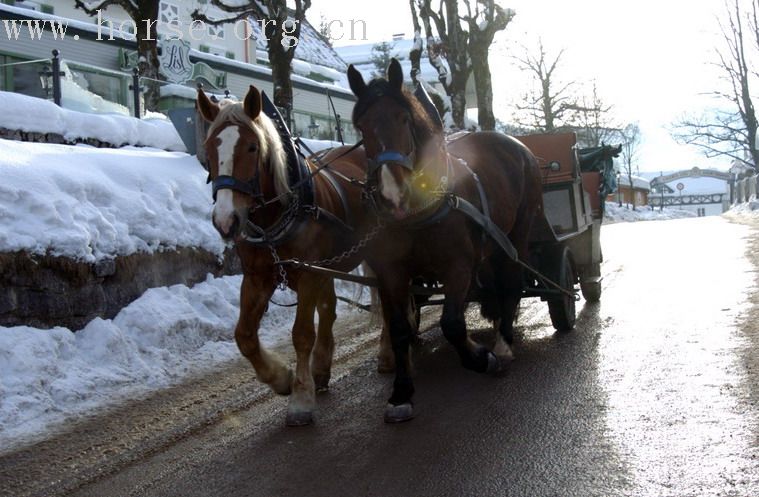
x=395, y=74
x=208, y=110
x=356, y=81
x=252, y=103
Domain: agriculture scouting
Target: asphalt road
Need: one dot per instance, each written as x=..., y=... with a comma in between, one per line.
x=655, y=393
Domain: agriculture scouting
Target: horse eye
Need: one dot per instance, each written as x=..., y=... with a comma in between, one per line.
x=253, y=148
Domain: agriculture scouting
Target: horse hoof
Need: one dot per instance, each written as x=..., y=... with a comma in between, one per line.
x=300, y=418
x=399, y=413
x=497, y=364
x=321, y=382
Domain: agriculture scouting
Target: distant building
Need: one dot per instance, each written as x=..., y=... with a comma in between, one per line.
x=626, y=194
x=705, y=192
x=99, y=53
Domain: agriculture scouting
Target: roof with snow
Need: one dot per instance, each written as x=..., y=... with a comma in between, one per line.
x=638, y=182
x=312, y=47
x=361, y=57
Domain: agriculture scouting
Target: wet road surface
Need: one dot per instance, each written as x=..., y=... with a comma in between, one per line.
x=655, y=393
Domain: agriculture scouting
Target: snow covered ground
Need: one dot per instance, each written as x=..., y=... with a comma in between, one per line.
x=745, y=210
x=169, y=334
x=616, y=214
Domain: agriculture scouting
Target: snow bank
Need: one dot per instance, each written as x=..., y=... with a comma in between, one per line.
x=745, y=210
x=91, y=203
x=616, y=214
x=24, y=113
x=48, y=377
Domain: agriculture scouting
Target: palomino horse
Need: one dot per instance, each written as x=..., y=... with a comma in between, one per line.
x=419, y=185
x=276, y=208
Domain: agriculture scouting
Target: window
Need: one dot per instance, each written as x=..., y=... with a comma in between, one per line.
x=168, y=13
x=215, y=51
x=109, y=86
x=3, y=73
x=215, y=32
x=23, y=78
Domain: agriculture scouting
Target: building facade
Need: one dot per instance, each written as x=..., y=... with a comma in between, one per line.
x=98, y=54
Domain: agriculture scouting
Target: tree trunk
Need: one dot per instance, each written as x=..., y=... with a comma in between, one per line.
x=632, y=190
x=483, y=86
x=283, y=85
x=147, y=50
x=148, y=67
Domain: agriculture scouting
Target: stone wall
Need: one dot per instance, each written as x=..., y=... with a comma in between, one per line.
x=47, y=291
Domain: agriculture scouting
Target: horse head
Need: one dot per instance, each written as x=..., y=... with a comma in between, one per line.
x=246, y=160
x=401, y=141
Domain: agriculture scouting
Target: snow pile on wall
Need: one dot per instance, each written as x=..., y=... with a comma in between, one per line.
x=616, y=214
x=24, y=113
x=93, y=203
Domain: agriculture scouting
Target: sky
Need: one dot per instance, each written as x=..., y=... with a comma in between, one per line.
x=650, y=59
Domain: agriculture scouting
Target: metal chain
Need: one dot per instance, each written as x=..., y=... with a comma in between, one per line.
x=282, y=283
x=354, y=250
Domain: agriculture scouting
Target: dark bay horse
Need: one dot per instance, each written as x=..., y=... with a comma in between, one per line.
x=413, y=181
x=269, y=215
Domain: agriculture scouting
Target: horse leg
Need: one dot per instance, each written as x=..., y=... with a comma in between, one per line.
x=453, y=323
x=385, y=357
x=270, y=369
x=321, y=358
x=511, y=282
x=504, y=328
x=394, y=292
x=303, y=399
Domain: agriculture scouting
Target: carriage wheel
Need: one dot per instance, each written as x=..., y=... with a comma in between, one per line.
x=591, y=290
x=562, y=307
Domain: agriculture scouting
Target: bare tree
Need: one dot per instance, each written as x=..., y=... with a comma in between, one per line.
x=630, y=149
x=144, y=13
x=730, y=133
x=324, y=29
x=593, y=120
x=280, y=46
x=484, y=22
x=548, y=107
x=447, y=50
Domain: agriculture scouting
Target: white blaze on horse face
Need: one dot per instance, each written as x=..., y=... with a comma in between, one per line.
x=224, y=208
x=389, y=186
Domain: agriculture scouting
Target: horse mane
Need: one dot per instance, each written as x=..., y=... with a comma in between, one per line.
x=270, y=144
x=424, y=127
